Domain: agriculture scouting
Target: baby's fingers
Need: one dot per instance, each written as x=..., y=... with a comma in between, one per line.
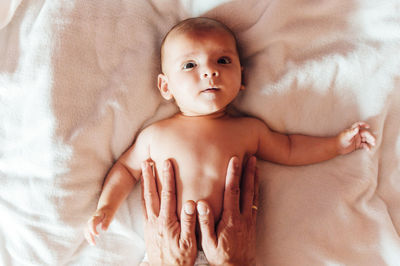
x=93, y=222
x=360, y=124
x=348, y=135
x=365, y=146
x=358, y=141
x=89, y=237
x=367, y=137
x=105, y=223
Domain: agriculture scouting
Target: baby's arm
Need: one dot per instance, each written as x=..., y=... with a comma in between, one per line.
x=302, y=150
x=118, y=184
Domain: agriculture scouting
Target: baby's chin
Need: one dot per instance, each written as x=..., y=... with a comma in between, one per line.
x=206, y=110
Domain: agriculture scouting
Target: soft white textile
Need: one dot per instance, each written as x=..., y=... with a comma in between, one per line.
x=7, y=10
x=78, y=80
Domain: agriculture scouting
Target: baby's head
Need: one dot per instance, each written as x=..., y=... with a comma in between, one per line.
x=201, y=68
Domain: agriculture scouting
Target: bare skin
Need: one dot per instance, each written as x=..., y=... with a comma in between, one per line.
x=170, y=241
x=202, y=73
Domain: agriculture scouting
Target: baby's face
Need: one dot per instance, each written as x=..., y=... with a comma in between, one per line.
x=202, y=71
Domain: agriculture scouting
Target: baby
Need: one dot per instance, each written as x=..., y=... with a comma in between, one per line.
x=201, y=71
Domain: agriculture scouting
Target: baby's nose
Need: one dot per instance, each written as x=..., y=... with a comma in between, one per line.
x=210, y=73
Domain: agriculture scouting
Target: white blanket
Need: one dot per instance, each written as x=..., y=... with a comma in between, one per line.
x=78, y=81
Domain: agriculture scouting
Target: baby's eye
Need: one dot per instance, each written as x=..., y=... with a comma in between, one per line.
x=189, y=65
x=224, y=60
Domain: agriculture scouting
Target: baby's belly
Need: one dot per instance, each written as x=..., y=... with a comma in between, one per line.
x=204, y=181
x=208, y=188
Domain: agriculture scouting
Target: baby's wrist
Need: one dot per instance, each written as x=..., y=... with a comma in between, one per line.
x=105, y=211
x=338, y=148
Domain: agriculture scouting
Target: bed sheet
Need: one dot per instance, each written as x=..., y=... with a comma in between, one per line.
x=78, y=82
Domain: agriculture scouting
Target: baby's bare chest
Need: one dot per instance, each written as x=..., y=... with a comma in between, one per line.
x=200, y=157
x=202, y=152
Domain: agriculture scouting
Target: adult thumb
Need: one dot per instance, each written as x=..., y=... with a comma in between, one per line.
x=188, y=222
x=206, y=221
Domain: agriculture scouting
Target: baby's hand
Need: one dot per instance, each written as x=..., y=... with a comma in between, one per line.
x=356, y=137
x=99, y=221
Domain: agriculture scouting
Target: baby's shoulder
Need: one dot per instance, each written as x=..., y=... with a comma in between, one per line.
x=156, y=128
x=248, y=122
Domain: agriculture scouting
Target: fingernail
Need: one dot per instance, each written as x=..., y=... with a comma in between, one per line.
x=202, y=209
x=189, y=208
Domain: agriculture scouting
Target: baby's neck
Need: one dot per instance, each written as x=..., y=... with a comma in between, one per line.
x=216, y=115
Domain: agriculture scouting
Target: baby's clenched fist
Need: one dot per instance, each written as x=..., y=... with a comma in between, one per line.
x=354, y=138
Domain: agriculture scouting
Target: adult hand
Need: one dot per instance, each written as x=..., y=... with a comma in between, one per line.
x=168, y=241
x=234, y=241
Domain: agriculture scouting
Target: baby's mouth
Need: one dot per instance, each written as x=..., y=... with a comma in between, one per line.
x=211, y=89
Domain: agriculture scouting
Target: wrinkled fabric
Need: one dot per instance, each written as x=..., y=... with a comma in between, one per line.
x=78, y=82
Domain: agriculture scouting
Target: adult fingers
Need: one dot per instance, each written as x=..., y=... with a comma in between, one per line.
x=256, y=195
x=247, y=189
x=168, y=196
x=150, y=194
x=232, y=190
x=206, y=221
x=143, y=201
x=188, y=225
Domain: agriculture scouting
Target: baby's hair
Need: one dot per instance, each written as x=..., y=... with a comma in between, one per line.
x=196, y=25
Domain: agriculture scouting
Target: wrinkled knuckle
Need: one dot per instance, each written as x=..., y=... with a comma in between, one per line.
x=234, y=190
x=160, y=234
x=149, y=194
x=230, y=223
x=166, y=223
x=146, y=174
x=152, y=218
x=167, y=172
x=227, y=214
x=204, y=221
x=251, y=190
x=166, y=194
x=162, y=222
x=230, y=220
x=186, y=244
x=236, y=173
x=160, y=231
x=187, y=219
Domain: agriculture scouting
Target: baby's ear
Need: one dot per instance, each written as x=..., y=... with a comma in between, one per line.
x=242, y=87
x=163, y=87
